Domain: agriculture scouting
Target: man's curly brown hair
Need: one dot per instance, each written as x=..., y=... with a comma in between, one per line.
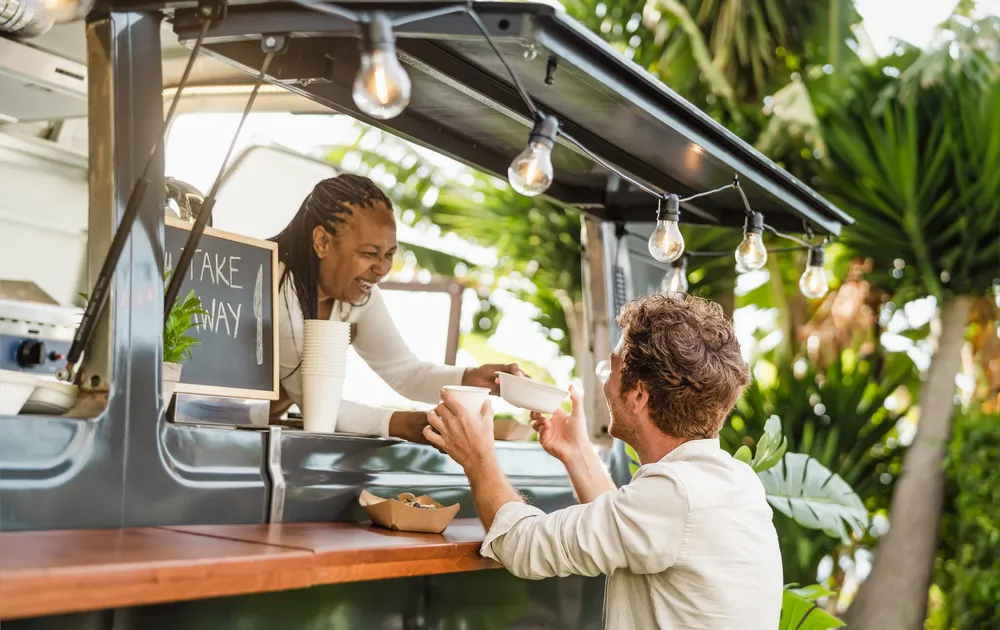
x=684, y=350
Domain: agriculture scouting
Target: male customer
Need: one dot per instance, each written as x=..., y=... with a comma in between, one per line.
x=689, y=542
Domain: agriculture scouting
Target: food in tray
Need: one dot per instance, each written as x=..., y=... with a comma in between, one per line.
x=407, y=498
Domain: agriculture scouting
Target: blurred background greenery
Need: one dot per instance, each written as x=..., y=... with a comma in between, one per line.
x=870, y=379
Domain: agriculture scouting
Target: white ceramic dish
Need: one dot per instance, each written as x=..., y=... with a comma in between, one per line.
x=51, y=397
x=15, y=389
x=531, y=395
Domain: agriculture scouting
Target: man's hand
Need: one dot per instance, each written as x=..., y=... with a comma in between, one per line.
x=469, y=440
x=486, y=376
x=563, y=434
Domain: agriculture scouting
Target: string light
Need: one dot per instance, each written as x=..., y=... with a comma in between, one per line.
x=751, y=254
x=813, y=283
x=666, y=243
x=531, y=171
x=62, y=11
x=382, y=87
x=603, y=370
x=382, y=90
x=675, y=280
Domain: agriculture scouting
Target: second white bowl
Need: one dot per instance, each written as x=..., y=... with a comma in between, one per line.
x=531, y=395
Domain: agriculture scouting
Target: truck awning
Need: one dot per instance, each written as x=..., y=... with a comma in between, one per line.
x=464, y=105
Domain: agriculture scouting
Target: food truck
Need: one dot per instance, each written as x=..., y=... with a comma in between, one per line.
x=122, y=507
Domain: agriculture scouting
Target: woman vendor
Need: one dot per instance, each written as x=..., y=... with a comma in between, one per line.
x=334, y=252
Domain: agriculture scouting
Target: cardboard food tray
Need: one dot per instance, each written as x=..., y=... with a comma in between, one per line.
x=510, y=430
x=395, y=515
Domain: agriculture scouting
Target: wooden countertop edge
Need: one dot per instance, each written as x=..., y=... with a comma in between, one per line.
x=48, y=593
x=40, y=592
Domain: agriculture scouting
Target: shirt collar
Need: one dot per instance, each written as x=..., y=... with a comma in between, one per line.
x=691, y=449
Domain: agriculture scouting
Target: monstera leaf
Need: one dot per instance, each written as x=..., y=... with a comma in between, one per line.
x=805, y=490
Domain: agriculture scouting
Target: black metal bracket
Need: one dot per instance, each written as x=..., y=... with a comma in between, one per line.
x=275, y=43
x=213, y=10
x=550, y=70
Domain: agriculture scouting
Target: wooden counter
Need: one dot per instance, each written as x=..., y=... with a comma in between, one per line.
x=55, y=572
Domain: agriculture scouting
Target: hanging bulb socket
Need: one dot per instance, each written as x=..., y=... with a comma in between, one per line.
x=754, y=224
x=545, y=131
x=673, y=210
x=377, y=34
x=816, y=257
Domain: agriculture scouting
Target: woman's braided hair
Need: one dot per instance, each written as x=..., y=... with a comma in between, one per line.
x=329, y=204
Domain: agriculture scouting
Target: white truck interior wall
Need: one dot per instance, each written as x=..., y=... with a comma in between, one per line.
x=43, y=223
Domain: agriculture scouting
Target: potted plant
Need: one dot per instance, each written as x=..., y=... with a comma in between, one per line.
x=177, y=343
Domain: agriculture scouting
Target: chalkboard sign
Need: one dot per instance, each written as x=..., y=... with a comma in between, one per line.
x=236, y=279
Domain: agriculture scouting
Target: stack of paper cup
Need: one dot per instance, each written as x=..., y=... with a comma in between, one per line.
x=324, y=364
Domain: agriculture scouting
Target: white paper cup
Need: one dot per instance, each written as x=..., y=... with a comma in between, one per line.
x=470, y=398
x=321, y=396
x=331, y=373
x=311, y=365
x=324, y=338
x=320, y=368
x=326, y=328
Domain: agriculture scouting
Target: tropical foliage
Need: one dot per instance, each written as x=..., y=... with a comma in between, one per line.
x=183, y=316
x=816, y=498
x=535, y=239
x=910, y=146
x=177, y=343
x=839, y=416
x=968, y=570
x=918, y=168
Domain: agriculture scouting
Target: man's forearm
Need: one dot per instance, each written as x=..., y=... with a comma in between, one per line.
x=587, y=473
x=490, y=489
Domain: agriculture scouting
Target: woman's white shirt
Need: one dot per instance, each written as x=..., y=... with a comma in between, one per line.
x=379, y=343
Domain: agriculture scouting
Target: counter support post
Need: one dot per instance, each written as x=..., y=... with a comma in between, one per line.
x=275, y=477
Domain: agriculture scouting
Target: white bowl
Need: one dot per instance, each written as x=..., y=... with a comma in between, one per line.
x=531, y=395
x=15, y=389
x=51, y=397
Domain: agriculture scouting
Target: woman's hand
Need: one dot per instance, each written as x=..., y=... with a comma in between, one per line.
x=486, y=376
x=563, y=434
x=408, y=425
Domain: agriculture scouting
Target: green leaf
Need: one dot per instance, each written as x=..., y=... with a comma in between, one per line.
x=176, y=344
x=799, y=613
x=743, y=454
x=812, y=593
x=633, y=459
x=805, y=490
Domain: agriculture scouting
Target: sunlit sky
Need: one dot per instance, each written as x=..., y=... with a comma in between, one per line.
x=913, y=21
x=198, y=142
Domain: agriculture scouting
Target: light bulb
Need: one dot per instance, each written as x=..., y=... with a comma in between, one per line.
x=603, y=370
x=62, y=11
x=381, y=87
x=813, y=283
x=530, y=173
x=675, y=280
x=666, y=243
x=751, y=254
